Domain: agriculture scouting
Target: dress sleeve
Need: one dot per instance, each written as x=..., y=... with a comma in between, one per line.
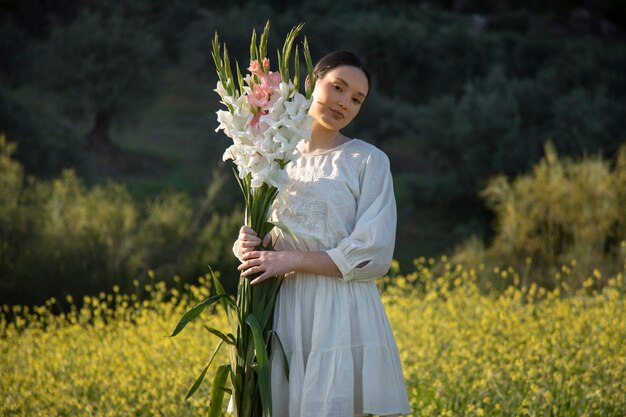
x=367, y=252
x=236, y=249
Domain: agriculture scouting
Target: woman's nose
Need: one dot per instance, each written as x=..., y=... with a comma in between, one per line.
x=340, y=104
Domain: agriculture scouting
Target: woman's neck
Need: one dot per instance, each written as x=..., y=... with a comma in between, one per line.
x=322, y=139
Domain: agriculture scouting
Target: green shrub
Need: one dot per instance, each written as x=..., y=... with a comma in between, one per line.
x=566, y=217
x=62, y=237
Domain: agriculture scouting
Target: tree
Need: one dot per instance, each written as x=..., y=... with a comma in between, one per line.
x=99, y=65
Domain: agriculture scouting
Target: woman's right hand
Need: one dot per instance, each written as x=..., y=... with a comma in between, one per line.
x=248, y=240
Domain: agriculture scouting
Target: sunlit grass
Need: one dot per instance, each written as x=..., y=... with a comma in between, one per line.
x=521, y=352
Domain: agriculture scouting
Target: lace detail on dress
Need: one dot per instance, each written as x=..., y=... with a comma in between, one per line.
x=299, y=205
x=315, y=203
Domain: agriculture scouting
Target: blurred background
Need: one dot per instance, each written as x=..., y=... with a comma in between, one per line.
x=505, y=124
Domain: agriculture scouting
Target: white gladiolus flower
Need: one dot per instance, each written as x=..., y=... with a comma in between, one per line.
x=260, y=147
x=266, y=117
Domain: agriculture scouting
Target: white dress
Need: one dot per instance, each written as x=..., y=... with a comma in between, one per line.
x=343, y=359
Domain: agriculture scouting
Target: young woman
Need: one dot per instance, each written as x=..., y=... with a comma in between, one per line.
x=339, y=202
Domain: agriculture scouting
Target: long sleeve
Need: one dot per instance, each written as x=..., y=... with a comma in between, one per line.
x=367, y=252
x=236, y=249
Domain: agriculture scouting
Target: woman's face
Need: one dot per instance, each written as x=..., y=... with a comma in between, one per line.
x=338, y=97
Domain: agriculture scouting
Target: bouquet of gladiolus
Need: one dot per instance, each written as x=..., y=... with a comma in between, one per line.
x=266, y=117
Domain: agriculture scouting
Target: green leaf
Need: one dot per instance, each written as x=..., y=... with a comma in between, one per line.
x=217, y=390
x=217, y=58
x=287, y=46
x=195, y=312
x=239, y=79
x=229, y=73
x=263, y=43
x=253, y=48
x=260, y=299
x=265, y=389
x=219, y=289
x=273, y=285
x=309, y=66
x=241, y=185
x=196, y=384
x=227, y=301
x=229, y=338
x=285, y=229
x=296, y=64
x=262, y=367
x=279, y=59
x=282, y=351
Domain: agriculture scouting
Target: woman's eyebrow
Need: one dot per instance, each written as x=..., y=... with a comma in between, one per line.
x=342, y=81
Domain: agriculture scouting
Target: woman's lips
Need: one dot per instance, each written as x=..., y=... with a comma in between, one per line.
x=336, y=114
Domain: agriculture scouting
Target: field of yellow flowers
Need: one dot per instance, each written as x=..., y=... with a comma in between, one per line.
x=465, y=352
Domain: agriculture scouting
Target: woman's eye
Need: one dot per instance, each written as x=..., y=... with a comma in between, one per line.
x=356, y=101
x=337, y=87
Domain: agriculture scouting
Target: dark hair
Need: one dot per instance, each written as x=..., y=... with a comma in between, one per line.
x=337, y=59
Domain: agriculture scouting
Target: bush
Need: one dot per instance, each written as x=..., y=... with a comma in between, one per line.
x=566, y=215
x=61, y=237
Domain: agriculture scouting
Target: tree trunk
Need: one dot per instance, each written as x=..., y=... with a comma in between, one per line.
x=98, y=137
x=106, y=156
x=99, y=143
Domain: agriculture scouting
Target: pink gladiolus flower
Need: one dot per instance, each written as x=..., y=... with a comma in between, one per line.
x=256, y=118
x=254, y=123
x=255, y=68
x=272, y=80
x=260, y=96
x=266, y=63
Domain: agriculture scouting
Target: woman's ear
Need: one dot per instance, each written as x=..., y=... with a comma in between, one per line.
x=307, y=84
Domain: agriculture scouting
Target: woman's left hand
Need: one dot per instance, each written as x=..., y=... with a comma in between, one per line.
x=270, y=263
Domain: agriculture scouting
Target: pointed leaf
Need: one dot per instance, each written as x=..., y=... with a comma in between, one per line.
x=229, y=338
x=219, y=289
x=262, y=367
x=296, y=64
x=309, y=66
x=195, y=312
x=283, y=354
x=217, y=58
x=279, y=59
x=196, y=384
x=217, y=390
x=228, y=72
x=239, y=79
x=241, y=185
x=287, y=46
x=259, y=344
x=265, y=389
x=263, y=43
x=285, y=229
x=253, y=50
x=273, y=284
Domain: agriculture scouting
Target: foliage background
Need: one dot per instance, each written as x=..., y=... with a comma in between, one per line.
x=505, y=124
x=117, y=168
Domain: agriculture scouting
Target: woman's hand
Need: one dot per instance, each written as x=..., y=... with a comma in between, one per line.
x=272, y=263
x=248, y=240
x=268, y=263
